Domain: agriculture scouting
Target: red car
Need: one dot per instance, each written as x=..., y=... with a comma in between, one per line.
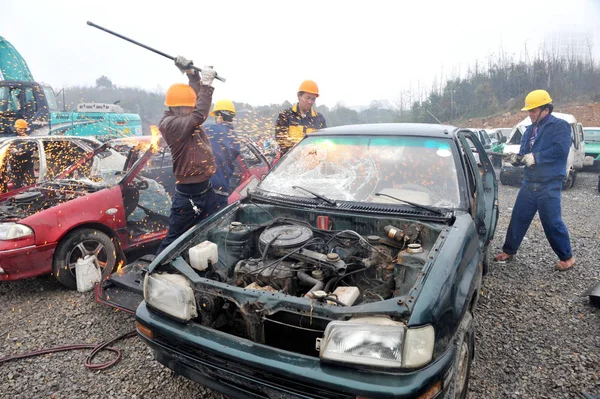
x=106, y=204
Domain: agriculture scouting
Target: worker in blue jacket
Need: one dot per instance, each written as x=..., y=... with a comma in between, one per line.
x=226, y=149
x=544, y=150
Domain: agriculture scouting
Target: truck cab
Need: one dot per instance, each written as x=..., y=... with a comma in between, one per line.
x=26, y=100
x=36, y=103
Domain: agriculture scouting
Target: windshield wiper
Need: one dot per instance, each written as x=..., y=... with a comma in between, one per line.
x=328, y=200
x=427, y=208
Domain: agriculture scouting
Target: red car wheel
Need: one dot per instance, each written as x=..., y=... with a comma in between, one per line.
x=77, y=244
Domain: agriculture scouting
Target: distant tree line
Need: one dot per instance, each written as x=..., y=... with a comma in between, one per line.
x=498, y=87
x=503, y=85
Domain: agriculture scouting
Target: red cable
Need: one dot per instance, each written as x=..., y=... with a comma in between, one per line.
x=88, y=361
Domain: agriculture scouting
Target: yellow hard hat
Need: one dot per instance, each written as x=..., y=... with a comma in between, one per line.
x=309, y=86
x=180, y=95
x=21, y=124
x=536, y=99
x=223, y=105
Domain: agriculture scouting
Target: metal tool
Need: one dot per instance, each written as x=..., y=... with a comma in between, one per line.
x=146, y=47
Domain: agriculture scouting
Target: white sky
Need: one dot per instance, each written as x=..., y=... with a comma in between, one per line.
x=357, y=51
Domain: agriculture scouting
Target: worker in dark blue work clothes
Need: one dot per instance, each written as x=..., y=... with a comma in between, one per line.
x=193, y=161
x=226, y=149
x=544, y=150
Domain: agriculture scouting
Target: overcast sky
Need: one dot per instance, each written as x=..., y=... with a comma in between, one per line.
x=357, y=51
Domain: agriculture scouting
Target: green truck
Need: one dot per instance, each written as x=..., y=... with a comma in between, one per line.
x=21, y=97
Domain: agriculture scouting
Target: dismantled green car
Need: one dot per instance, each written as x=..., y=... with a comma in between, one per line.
x=352, y=270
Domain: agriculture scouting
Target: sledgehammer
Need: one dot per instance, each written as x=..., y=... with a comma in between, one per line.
x=146, y=47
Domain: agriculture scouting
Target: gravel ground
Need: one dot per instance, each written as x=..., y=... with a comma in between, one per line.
x=537, y=337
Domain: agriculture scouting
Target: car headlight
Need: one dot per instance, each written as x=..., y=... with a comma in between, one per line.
x=171, y=294
x=418, y=346
x=376, y=341
x=10, y=231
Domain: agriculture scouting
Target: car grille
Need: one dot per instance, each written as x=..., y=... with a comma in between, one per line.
x=261, y=383
x=294, y=332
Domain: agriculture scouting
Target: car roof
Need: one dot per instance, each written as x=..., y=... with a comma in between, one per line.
x=391, y=129
x=567, y=117
x=93, y=140
x=591, y=128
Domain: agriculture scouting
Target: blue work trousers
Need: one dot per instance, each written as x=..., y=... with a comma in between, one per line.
x=545, y=199
x=183, y=215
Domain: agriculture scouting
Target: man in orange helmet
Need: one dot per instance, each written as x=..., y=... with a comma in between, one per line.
x=21, y=127
x=296, y=122
x=193, y=161
x=544, y=150
x=22, y=169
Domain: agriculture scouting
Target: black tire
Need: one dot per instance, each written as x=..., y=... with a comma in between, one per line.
x=487, y=259
x=569, y=180
x=503, y=179
x=599, y=184
x=464, y=351
x=77, y=244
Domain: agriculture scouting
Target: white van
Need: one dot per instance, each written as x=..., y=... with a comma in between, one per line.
x=576, y=160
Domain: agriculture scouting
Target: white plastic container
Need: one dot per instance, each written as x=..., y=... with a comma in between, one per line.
x=202, y=253
x=87, y=273
x=346, y=295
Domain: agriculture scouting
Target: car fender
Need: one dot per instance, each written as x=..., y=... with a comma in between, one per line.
x=451, y=284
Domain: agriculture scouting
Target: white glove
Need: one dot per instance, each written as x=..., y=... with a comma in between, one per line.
x=511, y=158
x=208, y=75
x=183, y=63
x=529, y=160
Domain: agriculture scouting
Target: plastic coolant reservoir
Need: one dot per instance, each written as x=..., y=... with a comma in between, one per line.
x=87, y=273
x=202, y=253
x=346, y=295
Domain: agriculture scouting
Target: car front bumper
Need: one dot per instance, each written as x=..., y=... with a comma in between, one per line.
x=31, y=261
x=244, y=369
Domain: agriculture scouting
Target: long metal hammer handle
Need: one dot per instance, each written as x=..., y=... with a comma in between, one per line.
x=146, y=47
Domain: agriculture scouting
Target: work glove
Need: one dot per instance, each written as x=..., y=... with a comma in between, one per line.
x=208, y=75
x=529, y=159
x=512, y=158
x=183, y=63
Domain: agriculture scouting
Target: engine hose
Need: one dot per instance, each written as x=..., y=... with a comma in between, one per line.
x=88, y=361
x=305, y=278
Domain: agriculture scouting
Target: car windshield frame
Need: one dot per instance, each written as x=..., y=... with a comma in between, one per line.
x=368, y=170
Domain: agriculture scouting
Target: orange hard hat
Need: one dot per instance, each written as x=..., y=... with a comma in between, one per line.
x=309, y=86
x=180, y=95
x=21, y=124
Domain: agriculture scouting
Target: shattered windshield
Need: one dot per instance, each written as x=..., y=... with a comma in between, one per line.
x=105, y=169
x=353, y=168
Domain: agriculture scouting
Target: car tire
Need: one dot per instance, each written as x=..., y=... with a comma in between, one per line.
x=77, y=244
x=487, y=259
x=464, y=351
x=503, y=179
x=599, y=184
x=569, y=180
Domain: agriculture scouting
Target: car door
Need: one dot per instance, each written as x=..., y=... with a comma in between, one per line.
x=483, y=178
x=7, y=161
x=251, y=162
